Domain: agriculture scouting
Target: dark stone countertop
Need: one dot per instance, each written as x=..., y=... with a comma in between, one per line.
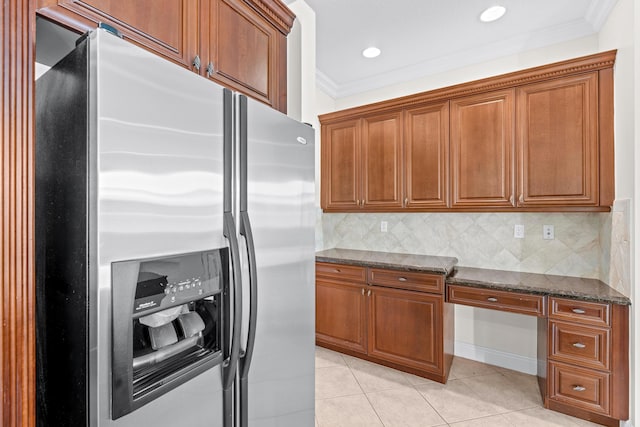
x=396, y=261
x=539, y=284
x=531, y=283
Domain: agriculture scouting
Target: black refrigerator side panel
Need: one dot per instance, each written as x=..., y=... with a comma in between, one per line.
x=62, y=239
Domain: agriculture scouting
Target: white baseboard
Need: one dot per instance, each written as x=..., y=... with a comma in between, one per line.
x=516, y=362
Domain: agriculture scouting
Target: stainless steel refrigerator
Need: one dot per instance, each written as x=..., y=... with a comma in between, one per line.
x=175, y=248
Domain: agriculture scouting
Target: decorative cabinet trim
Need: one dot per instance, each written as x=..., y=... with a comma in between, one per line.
x=582, y=64
x=276, y=12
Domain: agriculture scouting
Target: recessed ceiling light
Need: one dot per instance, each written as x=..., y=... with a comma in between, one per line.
x=371, y=52
x=493, y=13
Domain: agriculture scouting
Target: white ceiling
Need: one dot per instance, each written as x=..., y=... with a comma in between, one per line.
x=423, y=37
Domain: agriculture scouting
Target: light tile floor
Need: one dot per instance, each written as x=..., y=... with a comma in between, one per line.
x=351, y=392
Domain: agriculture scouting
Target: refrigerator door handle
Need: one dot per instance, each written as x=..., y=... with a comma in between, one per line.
x=246, y=232
x=232, y=341
x=245, y=360
x=231, y=362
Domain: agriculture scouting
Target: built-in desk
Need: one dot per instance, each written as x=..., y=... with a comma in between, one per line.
x=583, y=324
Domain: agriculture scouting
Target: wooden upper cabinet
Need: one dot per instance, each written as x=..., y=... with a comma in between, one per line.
x=382, y=160
x=558, y=142
x=537, y=140
x=340, y=162
x=167, y=27
x=426, y=156
x=242, y=50
x=482, y=150
x=240, y=44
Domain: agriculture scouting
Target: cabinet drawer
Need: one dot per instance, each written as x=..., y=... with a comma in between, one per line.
x=498, y=300
x=582, y=345
x=422, y=282
x=350, y=273
x=591, y=313
x=582, y=388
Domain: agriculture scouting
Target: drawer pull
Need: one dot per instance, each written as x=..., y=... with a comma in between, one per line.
x=492, y=299
x=578, y=311
x=579, y=345
x=362, y=291
x=578, y=388
x=402, y=279
x=369, y=293
x=337, y=270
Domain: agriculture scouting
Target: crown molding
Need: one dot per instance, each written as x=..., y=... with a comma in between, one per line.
x=327, y=85
x=276, y=12
x=598, y=12
x=582, y=64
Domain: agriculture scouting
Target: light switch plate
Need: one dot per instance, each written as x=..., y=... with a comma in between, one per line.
x=383, y=226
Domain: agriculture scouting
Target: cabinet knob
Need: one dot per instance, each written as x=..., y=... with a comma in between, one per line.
x=578, y=311
x=210, y=69
x=406, y=201
x=402, y=279
x=197, y=63
x=369, y=293
x=362, y=291
x=511, y=200
x=579, y=388
x=337, y=270
x=579, y=345
x=521, y=199
x=492, y=299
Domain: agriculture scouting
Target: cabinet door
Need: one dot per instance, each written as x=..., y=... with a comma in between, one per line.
x=426, y=157
x=382, y=160
x=406, y=328
x=482, y=150
x=340, y=161
x=558, y=142
x=169, y=28
x=243, y=49
x=341, y=315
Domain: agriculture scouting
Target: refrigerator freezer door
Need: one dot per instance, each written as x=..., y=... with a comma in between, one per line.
x=280, y=197
x=157, y=186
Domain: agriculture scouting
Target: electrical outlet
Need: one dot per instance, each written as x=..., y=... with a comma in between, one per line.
x=548, y=232
x=383, y=226
x=518, y=231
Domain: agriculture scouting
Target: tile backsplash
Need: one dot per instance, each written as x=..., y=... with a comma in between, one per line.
x=483, y=239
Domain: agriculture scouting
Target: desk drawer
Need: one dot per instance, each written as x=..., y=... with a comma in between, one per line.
x=591, y=313
x=350, y=273
x=582, y=345
x=498, y=300
x=582, y=388
x=421, y=282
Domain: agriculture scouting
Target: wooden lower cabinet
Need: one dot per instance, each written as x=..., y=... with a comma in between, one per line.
x=341, y=315
x=588, y=365
x=404, y=329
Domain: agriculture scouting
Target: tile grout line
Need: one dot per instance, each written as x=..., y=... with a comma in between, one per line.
x=365, y=394
x=429, y=403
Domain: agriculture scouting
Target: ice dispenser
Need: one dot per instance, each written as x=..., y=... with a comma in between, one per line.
x=167, y=324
